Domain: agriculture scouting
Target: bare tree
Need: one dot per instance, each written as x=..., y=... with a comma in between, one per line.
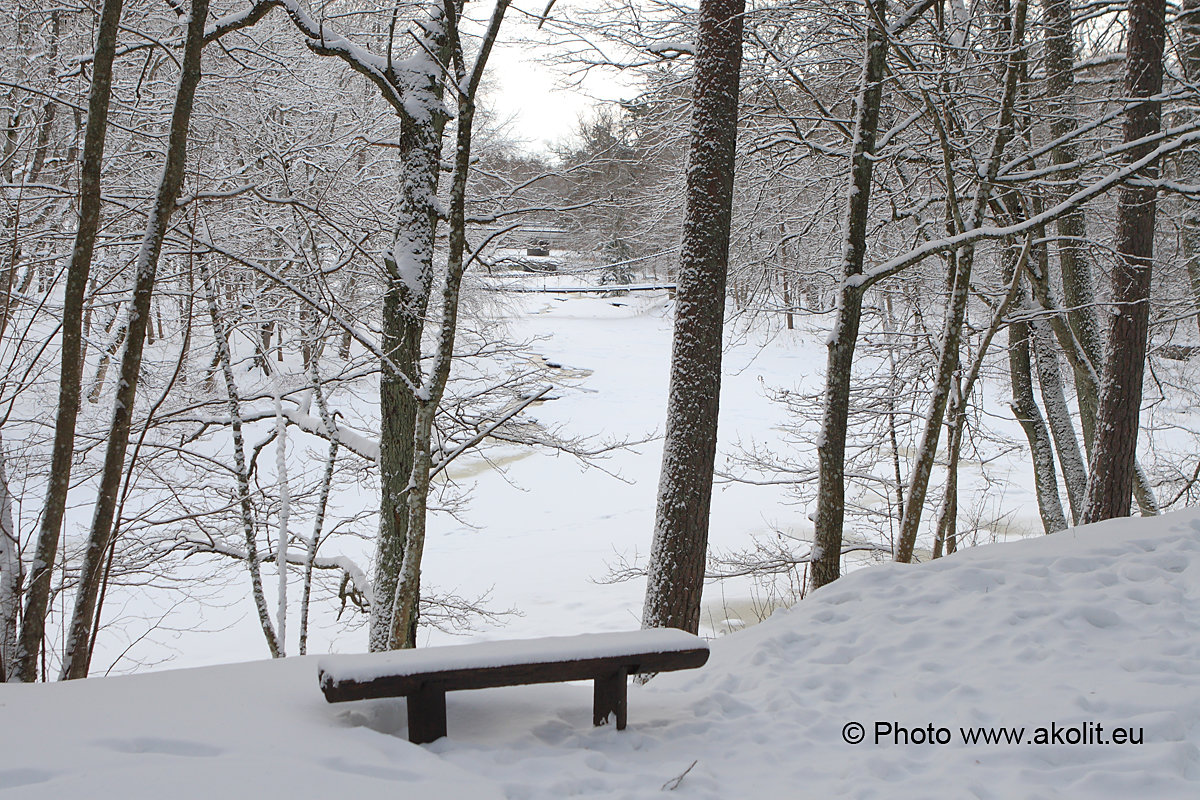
x=831, y=445
x=962, y=264
x=33, y=621
x=79, y=641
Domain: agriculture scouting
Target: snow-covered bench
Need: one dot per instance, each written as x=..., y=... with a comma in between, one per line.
x=424, y=675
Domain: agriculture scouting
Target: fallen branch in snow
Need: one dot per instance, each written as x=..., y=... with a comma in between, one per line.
x=673, y=784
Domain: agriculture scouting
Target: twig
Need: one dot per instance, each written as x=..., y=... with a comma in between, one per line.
x=673, y=784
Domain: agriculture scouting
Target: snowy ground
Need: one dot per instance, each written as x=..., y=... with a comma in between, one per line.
x=1096, y=626
x=541, y=530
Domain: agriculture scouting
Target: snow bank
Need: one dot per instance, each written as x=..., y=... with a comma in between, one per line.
x=1099, y=626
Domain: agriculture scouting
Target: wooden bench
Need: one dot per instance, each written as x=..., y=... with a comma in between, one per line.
x=424, y=675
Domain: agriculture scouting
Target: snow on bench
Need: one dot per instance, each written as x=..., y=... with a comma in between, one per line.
x=424, y=675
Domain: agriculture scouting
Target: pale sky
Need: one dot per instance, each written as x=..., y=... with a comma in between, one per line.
x=526, y=87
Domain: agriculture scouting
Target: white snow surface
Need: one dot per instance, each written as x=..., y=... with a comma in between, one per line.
x=364, y=667
x=1096, y=625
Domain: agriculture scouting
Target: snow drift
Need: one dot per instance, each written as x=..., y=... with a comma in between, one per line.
x=1097, y=626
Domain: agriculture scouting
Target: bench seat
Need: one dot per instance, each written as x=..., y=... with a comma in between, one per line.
x=424, y=675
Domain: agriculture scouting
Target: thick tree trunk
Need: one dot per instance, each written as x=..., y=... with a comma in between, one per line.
x=33, y=622
x=79, y=645
x=1114, y=457
x=831, y=446
x=1070, y=347
x=409, y=281
x=679, y=551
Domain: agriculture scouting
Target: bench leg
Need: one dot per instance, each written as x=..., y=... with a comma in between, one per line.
x=426, y=715
x=611, y=697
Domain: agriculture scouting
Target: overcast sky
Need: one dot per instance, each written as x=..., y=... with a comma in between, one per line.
x=525, y=87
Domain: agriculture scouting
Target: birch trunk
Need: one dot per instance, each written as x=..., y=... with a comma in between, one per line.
x=1058, y=415
x=285, y=509
x=224, y=361
x=1029, y=416
x=314, y=543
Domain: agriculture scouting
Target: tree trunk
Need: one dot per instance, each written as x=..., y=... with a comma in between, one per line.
x=1058, y=415
x=314, y=543
x=960, y=291
x=680, y=548
x=1079, y=292
x=410, y=276
x=1189, y=158
x=1027, y=413
x=946, y=538
x=78, y=649
x=831, y=446
x=11, y=575
x=33, y=623
x=224, y=360
x=1070, y=347
x=1114, y=457
x=405, y=603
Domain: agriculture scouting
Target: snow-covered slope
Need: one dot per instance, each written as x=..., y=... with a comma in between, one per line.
x=1097, y=626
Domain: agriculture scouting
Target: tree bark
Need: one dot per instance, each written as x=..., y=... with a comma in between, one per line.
x=831, y=447
x=409, y=284
x=1114, y=457
x=224, y=361
x=1027, y=413
x=405, y=602
x=679, y=551
x=33, y=621
x=1079, y=291
x=1058, y=415
x=11, y=574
